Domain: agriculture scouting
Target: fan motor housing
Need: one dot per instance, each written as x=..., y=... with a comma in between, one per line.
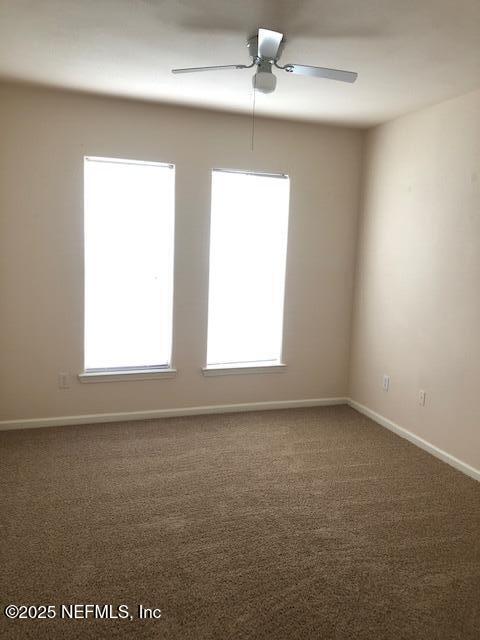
x=264, y=80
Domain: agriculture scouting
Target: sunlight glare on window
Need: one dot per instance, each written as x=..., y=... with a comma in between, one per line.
x=129, y=243
x=248, y=246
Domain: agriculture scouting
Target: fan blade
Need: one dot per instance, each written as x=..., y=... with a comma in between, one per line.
x=322, y=72
x=269, y=43
x=225, y=66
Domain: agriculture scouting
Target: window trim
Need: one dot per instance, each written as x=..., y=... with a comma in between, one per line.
x=274, y=366
x=262, y=174
x=127, y=374
x=151, y=163
x=147, y=372
x=242, y=368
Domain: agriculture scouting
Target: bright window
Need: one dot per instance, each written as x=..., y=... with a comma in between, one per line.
x=248, y=247
x=129, y=243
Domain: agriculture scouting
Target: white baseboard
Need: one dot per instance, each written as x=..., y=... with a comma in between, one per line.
x=420, y=442
x=32, y=423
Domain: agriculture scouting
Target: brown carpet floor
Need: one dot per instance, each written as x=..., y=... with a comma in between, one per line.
x=308, y=523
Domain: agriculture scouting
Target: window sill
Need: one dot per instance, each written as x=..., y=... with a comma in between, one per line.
x=124, y=376
x=228, y=370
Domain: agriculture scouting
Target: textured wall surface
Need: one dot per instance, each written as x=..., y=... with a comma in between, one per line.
x=45, y=135
x=417, y=307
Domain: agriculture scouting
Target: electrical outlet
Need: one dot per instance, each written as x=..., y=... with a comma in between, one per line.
x=422, y=397
x=386, y=382
x=63, y=381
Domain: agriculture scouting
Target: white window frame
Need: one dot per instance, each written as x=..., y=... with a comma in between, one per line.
x=240, y=368
x=116, y=374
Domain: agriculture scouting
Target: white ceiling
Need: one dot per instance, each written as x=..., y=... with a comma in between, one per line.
x=408, y=53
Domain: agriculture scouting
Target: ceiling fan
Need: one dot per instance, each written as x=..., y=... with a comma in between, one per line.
x=265, y=50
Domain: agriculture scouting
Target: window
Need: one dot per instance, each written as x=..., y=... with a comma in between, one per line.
x=248, y=246
x=129, y=243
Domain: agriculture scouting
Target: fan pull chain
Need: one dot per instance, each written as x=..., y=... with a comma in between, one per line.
x=253, y=112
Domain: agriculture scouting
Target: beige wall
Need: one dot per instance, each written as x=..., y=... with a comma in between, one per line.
x=44, y=136
x=417, y=307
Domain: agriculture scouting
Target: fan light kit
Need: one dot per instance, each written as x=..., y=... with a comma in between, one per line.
x=265, y=50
